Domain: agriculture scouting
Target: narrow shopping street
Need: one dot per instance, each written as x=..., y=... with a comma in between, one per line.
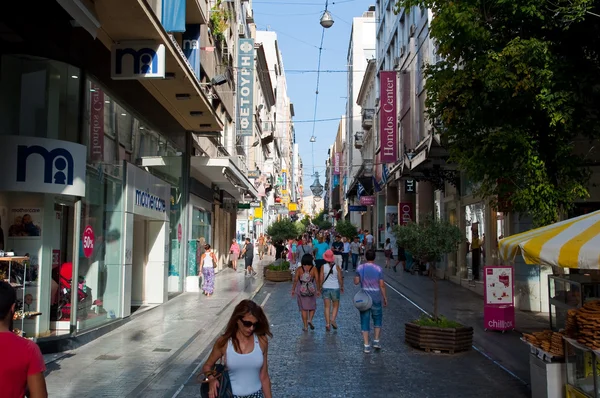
x=157, y=354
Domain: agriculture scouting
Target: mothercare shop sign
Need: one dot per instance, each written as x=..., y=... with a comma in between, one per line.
x=33, y=164
x=147, y=195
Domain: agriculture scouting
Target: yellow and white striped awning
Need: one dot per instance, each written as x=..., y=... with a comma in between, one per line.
x=573, y=243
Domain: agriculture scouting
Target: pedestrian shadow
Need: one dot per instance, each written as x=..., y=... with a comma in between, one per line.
x=55, y=365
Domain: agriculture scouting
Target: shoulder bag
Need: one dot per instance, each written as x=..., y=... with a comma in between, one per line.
x=220, y=372
x=362, y=300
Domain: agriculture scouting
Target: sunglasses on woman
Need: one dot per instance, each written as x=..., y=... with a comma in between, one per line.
x=249, y=324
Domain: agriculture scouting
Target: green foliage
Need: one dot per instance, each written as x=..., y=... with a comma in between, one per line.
x=515, y=100
x=300, y=228
x=429, y=240
x=441, y=322
x=320, y=220
x=346, y=229
x=218, y=21
x=282, y=230
x=305, y=221
x=283, y=266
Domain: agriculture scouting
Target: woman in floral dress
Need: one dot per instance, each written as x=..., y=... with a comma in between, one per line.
x=208, y=263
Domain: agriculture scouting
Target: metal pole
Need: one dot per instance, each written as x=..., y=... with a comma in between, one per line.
x=75, y=274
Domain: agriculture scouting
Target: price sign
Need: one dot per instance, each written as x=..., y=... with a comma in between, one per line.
x=88, y=241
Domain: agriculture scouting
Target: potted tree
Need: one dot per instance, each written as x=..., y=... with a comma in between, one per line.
x=281, y=230
x=428, y=241
x=346, y=229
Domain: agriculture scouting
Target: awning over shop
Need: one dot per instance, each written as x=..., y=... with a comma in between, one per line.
x=226, y=174
x=573, y=243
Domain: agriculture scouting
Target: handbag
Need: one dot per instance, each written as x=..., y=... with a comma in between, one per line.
x=362, y=300
x=219, y=371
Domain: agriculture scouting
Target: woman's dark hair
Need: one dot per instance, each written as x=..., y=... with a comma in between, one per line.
x=207, y=246
x=307, y=259
x=387, y=240
x=8, y=297
x=243, y=308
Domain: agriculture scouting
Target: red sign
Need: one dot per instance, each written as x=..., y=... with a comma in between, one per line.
x=388, y=120
x=336, y=163
x=179, y=232
x=88, y=241
x=96, y=144
x=406, y=212
x=367, y=200
x=55, y=258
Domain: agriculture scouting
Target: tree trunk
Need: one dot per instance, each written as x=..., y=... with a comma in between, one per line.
x=433, y=276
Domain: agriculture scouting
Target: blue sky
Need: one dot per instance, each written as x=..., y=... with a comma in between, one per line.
x=299, y=34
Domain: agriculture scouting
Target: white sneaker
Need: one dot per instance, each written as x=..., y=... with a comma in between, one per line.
x=247, y=275
x=254, y=273
x=376, y=344
x=367, y=349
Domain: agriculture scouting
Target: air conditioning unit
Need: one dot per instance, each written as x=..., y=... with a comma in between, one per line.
x=412, y=30
x=241, y=30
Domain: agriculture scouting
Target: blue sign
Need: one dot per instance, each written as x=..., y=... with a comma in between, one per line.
x=56, y=162
x=357, y=208
x=191, y=47
x=138, y=60
x=245, y=93
x=173, y=15
x=149, y=201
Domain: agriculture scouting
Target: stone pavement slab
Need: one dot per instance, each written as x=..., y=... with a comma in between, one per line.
x=463, y=305
x=331, y=364
x=146, y=356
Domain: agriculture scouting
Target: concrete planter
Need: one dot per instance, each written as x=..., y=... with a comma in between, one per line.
x=278, y=276
x=430, y=338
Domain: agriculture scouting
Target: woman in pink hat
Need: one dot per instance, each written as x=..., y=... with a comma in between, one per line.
x=332, y=286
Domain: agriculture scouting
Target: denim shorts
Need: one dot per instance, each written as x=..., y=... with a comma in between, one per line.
x=375, y=312
x=331, y=294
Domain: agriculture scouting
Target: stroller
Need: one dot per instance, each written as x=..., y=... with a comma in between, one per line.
x=64, y=303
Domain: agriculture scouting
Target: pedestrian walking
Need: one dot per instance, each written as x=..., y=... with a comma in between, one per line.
x=320, y=248
x=338, y=249
x=369, y=239
x=208, y=263
x=248, y=254
x=22, y=367
x=332, y=286
x=355, y=252
x=345, y=254
x=261, y=246
x=234, y=253
x=387, y=250
x=306, y=288
x=244, y=346
x=370, y=277
x=401, y=257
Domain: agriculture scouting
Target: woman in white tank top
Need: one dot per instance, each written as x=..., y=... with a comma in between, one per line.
x=332, y=285
x=244, y=347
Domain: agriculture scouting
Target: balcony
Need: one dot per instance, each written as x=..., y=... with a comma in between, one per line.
x=367, y=118
x=359, y=140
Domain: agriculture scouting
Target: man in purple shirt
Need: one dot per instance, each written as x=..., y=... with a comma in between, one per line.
x=370, y=277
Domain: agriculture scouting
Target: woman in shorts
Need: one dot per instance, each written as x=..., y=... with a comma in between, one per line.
x=331, y=287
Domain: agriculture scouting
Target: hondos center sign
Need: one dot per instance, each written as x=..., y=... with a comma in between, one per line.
x=388, y=117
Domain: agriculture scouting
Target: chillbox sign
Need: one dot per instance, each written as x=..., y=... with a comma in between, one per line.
x=131, y=60
x=34, y=164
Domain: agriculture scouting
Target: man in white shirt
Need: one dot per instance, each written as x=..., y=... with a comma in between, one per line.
x=369, y=238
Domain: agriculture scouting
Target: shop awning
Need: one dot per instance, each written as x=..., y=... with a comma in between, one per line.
x=226, y=174
x=573, y=243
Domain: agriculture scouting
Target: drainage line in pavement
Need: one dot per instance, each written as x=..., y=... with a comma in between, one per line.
x=472, y=346
x=265, y=300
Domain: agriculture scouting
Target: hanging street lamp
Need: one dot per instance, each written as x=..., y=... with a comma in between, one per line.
x=316, y=187
x=326, y=20
x=313, y=138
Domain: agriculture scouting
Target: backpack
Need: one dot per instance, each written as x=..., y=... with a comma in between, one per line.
x=307, y=285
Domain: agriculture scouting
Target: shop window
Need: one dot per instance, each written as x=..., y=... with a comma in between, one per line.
x=100, y=269
x=39, y=98
x=201, y=234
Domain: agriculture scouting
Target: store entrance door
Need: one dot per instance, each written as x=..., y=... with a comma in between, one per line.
x=148, y=263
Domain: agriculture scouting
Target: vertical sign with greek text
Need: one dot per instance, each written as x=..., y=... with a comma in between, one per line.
x=388, y=124
x=96, y=145
x=245, y=96
x=336, y=163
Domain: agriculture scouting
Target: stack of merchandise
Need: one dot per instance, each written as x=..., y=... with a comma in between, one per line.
x=571, y=324
x=588, y=325
x=549, y=341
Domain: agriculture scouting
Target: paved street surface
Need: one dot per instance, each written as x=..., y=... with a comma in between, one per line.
x=146, y=356
x=302, y=364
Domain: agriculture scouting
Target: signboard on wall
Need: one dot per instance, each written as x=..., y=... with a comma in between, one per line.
x=191, y=47
x=406, y=212
x=336, y=163
x=245, y=92
x=33, y=164
x=96, y=144
x=147, y=195
x=388, y=123
x=132, y=60
x=410, y=186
